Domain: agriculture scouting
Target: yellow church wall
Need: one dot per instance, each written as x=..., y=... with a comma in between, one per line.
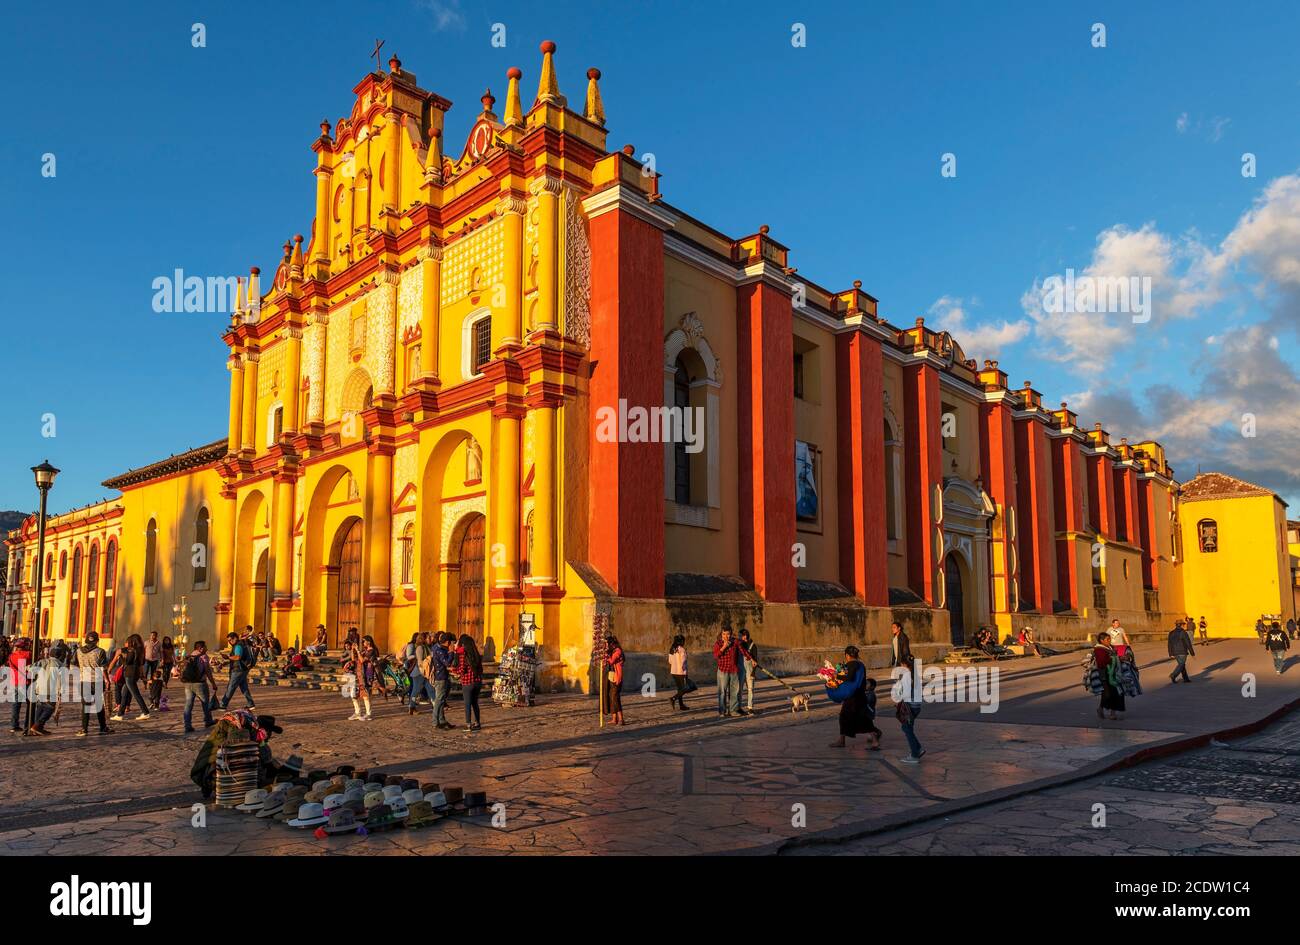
x=961, y=454
x=715, y=549
x=1122, y=574
x=1232, y=587
x=173, y=503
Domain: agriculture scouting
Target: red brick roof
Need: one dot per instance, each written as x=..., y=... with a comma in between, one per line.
x=190, y=459
x=1219, y=486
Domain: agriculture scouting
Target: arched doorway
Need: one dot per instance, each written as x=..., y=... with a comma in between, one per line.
x=261, y=615
x=470, y=596
x=348, y=561
x=955, y=601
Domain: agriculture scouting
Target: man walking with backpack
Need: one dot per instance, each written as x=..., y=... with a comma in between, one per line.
x=242, y=659
x=195, y=673
x=1276, y=642
x=1180, y=647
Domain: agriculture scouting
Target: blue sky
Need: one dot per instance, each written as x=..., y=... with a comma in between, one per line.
x=1118, y=160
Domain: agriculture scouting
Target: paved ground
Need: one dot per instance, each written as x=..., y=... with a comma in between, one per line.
x=668, y=782
x=1236, y=798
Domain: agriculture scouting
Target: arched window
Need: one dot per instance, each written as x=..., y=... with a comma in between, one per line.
x=49, y=568
x=692, y=461
x=274, y=424
x=63, y=566
x=151, y=556
x=407, y=543
x=1207, y=535
x=110, y=582
x=681, y=458
x=74, y=607
x=199, y=553
x=476, y=340
x=92, y=582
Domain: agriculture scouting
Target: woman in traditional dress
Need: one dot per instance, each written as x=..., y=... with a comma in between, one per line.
x=1112, y=690
x=856, y=696
x=614, y=680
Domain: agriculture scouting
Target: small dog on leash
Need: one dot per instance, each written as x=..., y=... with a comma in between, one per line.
x=798, y=701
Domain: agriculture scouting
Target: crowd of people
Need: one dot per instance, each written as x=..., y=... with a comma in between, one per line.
x=137, y=675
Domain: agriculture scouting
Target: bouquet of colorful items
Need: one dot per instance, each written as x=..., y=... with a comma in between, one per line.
x=830, y=672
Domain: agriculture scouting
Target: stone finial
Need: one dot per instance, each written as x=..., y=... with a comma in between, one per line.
x=488, y=100
x=514, y=114
x=857, y=284
x=296, y=259
x=324, y=128
x=395, y=65
x=548, y=87
x=595, y=108
x=629, y=150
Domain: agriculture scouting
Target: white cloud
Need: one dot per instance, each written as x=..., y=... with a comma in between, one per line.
x=1211, y=128
x=984, y=340
x=1242, y=375
x=1267, y=237
x=1246, y=378
x=447, y=14
x=1182, y=280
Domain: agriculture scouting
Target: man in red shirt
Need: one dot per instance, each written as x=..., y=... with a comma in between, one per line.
x=728, y=652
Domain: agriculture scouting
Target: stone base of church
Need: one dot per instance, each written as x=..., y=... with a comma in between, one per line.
x=1073, y=628
x=793, y=639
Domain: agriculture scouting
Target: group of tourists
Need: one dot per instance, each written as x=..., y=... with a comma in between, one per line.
x=101, y=684
x=431, y=661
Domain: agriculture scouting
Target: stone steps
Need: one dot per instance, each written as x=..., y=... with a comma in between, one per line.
x=326, y=675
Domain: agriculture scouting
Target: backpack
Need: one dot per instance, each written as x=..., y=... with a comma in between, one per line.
x=191, y=670
x=247, y=655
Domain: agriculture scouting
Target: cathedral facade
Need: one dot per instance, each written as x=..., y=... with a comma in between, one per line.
x=422, y=433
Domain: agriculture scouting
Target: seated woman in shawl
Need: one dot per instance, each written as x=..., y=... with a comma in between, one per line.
x=856, y=696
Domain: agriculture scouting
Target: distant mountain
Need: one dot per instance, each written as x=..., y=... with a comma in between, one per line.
x=8, y=522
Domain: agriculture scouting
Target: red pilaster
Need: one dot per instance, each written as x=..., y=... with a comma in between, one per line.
x=924, y=473
x=1068, y=493
x=1033, y=499
x=765, y=351
x=1101, y=495
x=998, y=470
x=1147, y=502
x=1126, y=505
x=626, y=479
x=860, y=443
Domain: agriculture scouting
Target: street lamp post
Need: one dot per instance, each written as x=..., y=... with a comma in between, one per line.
x=44, y=474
